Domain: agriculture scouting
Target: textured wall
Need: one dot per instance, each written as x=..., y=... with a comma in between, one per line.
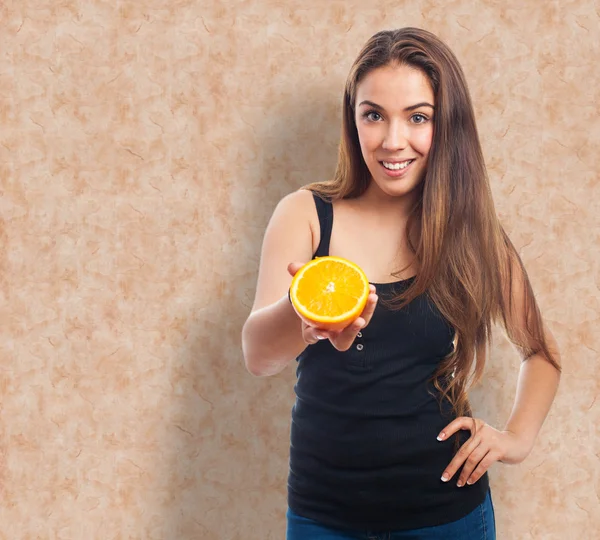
x=143, y=146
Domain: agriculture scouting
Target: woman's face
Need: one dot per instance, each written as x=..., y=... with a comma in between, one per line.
x=394, y=118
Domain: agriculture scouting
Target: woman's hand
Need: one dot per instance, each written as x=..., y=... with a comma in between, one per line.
x=485, y=446
x=342, y=340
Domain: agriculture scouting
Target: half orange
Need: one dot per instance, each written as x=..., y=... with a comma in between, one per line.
x=329, y=292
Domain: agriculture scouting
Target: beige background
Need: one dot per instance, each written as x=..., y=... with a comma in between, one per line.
x=143, y=147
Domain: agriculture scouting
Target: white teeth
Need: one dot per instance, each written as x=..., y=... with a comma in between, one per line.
x=397, y=166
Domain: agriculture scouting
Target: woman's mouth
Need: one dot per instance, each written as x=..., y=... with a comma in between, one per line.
x=396, y=170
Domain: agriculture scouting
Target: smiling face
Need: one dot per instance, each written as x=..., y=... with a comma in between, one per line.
x=394, y=118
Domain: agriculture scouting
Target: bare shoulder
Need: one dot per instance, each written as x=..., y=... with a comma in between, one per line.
x=299, y=208
x=300, y=201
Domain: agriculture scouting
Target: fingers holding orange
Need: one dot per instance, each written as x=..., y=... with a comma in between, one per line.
x=312, y=334
x=334, y=299
x=293, y=268
x=345, y=339
x=367, y=313
x=329, y=292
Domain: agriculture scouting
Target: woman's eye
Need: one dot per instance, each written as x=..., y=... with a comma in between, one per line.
x=419, y=119
x=369, y=116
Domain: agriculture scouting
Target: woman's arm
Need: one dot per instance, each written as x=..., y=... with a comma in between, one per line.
x=538, y=378
x=536, y=388
x=272, y=334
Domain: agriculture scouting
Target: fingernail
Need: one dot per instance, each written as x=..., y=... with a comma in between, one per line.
x=441, y=436
x=321, y=337
x=445, y=477
x=459, y=484
x=469, y=482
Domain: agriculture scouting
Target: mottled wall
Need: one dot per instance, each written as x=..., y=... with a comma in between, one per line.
x=143, y=146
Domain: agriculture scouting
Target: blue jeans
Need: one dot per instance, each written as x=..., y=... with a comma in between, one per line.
x=478, y=525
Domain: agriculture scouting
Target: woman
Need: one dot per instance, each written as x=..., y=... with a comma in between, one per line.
x=383, y=443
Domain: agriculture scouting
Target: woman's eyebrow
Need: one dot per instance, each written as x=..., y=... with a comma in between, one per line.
x=407, y=109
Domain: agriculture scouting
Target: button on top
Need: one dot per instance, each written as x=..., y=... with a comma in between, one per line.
x=359, y=334
x=360, y=346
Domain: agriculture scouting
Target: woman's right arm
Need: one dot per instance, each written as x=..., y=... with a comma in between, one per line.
x=272, y=334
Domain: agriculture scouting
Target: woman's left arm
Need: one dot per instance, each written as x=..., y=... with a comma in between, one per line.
x=536, y=388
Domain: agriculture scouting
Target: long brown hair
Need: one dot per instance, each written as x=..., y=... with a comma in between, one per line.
x=467, y=264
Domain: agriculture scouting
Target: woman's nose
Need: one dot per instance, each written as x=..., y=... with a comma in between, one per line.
x=396, y=137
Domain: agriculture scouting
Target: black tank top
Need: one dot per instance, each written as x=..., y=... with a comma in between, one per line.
x=364, y=454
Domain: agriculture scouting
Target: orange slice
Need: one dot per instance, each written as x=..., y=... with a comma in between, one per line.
x=329, y=292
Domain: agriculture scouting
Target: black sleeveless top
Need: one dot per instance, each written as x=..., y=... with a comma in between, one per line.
x=364, y=454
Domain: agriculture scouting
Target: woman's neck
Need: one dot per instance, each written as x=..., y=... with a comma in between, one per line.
x=394, y=210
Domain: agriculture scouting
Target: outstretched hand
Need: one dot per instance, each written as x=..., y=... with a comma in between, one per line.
x=342, y=340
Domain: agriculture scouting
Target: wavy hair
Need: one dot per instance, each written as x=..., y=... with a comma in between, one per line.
x=467, y=264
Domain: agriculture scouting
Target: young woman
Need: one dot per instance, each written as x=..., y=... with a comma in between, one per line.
x=383, y=442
